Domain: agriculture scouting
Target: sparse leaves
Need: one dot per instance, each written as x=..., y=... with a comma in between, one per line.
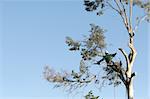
x=97, y=36
x=83, y=68
x=147, y=10
x=53, y=76
x=101, y=5
x=92, y=5
x=145, y=6
x=74, y=45
x=70, y=81
x=89, y=54
x=111, y=76
x=91, y=96
x=92, y=46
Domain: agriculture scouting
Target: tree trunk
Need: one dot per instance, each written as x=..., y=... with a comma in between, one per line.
x=130, y=91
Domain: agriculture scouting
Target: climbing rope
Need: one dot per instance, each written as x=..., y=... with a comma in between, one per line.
x=116, y=78
x=114, y=92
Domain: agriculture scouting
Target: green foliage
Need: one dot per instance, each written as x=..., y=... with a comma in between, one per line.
x=92, y=5
x=74, y=45
x=91, y=49
x=101, y=5
x=92, y=46
x=97, y=37
x=91, y=96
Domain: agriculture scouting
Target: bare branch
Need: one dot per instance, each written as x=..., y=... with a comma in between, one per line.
x=80, y=81
x=119, y=70
x=125, y=55
x=139, y=22
x=117, y=5
x=130, y=16
x=121, y=76
x=113, y=7
x=122, y=14
x=125, y=14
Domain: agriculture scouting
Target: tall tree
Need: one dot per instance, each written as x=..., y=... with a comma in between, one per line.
x=93, y=49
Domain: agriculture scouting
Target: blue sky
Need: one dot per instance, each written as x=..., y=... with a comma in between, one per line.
x=33, y=35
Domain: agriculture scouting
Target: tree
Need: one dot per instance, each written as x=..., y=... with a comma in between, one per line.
x=93, y=49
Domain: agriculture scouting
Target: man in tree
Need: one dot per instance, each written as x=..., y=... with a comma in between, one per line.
x=108, y=58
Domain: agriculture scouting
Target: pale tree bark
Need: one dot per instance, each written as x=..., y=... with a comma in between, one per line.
x=132, y=55
x=129, y=65
x=130, y=91
x=129, y=74
x=129, y=58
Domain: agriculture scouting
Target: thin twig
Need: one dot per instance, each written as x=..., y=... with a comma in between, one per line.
x=138, y=23
x=130, y=15
x=125, y=14
x=124, y=18
x=113, y=7
x=117, y=5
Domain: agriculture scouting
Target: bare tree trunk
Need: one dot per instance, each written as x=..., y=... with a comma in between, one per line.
x=129, y=74
x=130, y=90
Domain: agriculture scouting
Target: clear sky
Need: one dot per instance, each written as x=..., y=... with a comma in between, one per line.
x=32, y=35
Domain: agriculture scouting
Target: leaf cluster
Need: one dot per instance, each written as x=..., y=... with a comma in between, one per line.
x=93, y=44
x=74, y=45
x=70, y=81
x=92, y=5
x=101, y=5
x=91, y=96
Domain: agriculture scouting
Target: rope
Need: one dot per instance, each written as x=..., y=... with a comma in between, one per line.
x=114, y=93
x=126, y=95
x=116, y=78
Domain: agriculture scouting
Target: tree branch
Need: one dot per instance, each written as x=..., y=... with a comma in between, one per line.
x=130, y=16
x=119, y=71
x=113, y=7
x=123, y=14
x=125, y=55
x=121, y=76
x=117, y=5
x=80, y=81
x=138, y=23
